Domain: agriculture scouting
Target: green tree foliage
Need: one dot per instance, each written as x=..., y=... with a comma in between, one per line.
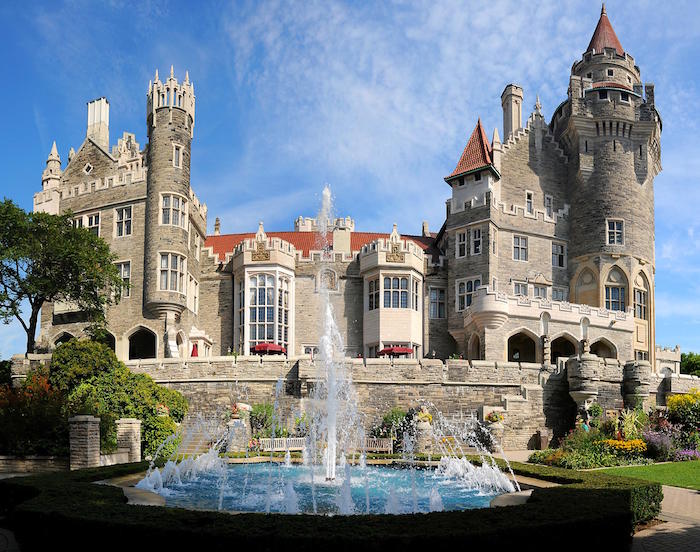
x=97, y=383
x=44, y=259
x=5, y=372
x=690, y=363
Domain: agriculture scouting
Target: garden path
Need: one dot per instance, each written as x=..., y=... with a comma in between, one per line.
x=680, y=510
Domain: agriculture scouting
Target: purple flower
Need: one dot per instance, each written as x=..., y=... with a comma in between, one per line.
x=687, y=454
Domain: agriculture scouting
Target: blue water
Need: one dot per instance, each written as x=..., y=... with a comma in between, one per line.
x=246, y=488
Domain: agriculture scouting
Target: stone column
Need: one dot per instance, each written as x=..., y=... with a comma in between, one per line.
x=424, y=437
x=636, y=377
x=546, y=350
x=84, y=442
x=129, y=437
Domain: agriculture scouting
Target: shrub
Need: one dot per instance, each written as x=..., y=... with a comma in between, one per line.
x=660, y=445
x=684, y=410
x=31, y=418
x=632, y=422
x=631, y=447
x=78, y=360
x=261, y=416
x=5, y=372
x=683, y=455
x=154, y=431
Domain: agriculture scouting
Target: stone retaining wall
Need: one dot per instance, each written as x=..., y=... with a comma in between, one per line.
x=32, y=464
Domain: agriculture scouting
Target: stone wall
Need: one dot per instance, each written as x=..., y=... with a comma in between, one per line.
x=32, y=464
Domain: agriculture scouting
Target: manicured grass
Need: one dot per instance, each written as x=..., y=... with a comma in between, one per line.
x=676, y=474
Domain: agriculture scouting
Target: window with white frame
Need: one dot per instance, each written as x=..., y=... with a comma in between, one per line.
x=437, y=303
x=373, y=294
x=520, y=248
x=174, y=210
x=461, y=250
x=177, y=156
x=465, y=292
x=476, y=241
x=124, y=269
x=640, y=303
x=395, y=292
x=93, y=223
x=520, y=288
x=616, y=232
x=123, y=221
x=172, y=272
x=548, y=206
x=415, y=295
x=558, y=255
x=193, y=294
x=267, y=294
x=540, y=291
x=529, y=203
x=283, y=311
x=78, y=222
x=241, y=312
x=558, y=294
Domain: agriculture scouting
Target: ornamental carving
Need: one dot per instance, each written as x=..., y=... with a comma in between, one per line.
x=396, y=256
x=261, y=253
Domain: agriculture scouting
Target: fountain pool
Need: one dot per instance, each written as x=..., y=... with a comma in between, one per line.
x=372, y=489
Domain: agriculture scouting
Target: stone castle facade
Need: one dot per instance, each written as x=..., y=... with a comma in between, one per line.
x=546, y=252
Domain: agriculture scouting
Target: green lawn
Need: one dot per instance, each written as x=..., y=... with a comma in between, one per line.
x=677, y=474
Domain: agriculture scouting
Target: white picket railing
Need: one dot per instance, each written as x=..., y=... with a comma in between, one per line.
x=282, y=444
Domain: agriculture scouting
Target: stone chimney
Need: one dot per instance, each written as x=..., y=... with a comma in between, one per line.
x=512, y=102
x=426, y=230
x=98, y=122
x=217, y=226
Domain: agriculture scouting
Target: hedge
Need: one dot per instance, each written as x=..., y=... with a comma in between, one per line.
x=589, y=509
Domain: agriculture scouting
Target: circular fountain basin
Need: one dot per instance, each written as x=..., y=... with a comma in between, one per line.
x=279, y=488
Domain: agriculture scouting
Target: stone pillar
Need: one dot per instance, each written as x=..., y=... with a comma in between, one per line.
x=546, y=350
x=84, y=442
x=636, y=377
x=129, y=437
x=583, y=376
x=424, y=437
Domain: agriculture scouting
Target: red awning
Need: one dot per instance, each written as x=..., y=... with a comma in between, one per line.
x=394, y=351
x=269, y=348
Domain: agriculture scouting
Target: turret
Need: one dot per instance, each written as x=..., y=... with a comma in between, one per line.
x=170, y=119
x=611, y=135
x=51, y=176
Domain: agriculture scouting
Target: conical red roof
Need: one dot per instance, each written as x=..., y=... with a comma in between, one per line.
x=604, y=36
x=476, y=155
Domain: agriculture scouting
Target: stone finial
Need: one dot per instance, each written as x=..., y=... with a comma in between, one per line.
x=53, y=156
x=602, y=10
x=187, y=76
x=260, y=234
x=172, y=71
x=156, y=77
x=395, y=236
x=496, y=138
x=217, y=226
x=71, y=153
x=538, y=106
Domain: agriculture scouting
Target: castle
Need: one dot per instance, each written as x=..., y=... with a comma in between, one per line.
x=546, y=252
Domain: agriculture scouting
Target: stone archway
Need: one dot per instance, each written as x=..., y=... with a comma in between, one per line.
x=562, y=347
x=522, y=348
x=604, y=349
x=474, y=351
x=63, y=338
x=142, y=344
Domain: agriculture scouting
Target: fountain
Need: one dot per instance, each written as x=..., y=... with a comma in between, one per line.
x=336, y=476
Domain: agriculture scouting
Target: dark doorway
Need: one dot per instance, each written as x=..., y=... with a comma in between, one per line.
x=142, y=344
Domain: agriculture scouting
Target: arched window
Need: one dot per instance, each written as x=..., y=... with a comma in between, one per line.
x=562, y=348
x=641, y=297
x=142, y=344
x=521, y=348
x=616, y=290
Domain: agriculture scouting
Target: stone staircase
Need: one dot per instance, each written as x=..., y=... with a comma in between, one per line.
x=523, y=416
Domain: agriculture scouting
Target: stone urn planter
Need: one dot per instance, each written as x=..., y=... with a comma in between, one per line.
x=424, y=433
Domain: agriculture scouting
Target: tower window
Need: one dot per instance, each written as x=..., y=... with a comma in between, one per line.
x=461, y=249
x=624, y=96
x=465, y=292
x=172, y=272
x=520, y=288
x=528, y=203
x=174, y=211
x=177, y=156
x=615, y=298
x=476, y=241
x=610, y=72
x=541, y=292
x=558, y=255
x=602, y=94
x=477, y=177
x=395, y=293
x=615, y=232
x=589, y=75
x=640, y=304
x=548, y=209
x=374, y=294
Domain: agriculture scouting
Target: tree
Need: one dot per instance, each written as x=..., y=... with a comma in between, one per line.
x=43, y=258
x=690, y=363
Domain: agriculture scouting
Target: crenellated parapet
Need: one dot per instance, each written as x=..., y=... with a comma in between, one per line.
x=172, y=94
x=392, y=252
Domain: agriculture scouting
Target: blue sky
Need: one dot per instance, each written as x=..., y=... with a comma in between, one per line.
x=376, y=99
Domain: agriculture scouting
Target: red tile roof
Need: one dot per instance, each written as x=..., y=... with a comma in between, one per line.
x=305, y=241
x=610, y=84
x=604, y=36
x=476, y=154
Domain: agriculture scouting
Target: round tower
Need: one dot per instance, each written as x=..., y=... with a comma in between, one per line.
x=610, y=130
x=170, y=120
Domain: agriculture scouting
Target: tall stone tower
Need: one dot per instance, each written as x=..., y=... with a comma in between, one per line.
x=170, y=121
x=610, y=130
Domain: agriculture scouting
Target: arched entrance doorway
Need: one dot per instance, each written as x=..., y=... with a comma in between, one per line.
x=604, y=349
x=474, y=347
x=142, y=344
x=522, y=348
